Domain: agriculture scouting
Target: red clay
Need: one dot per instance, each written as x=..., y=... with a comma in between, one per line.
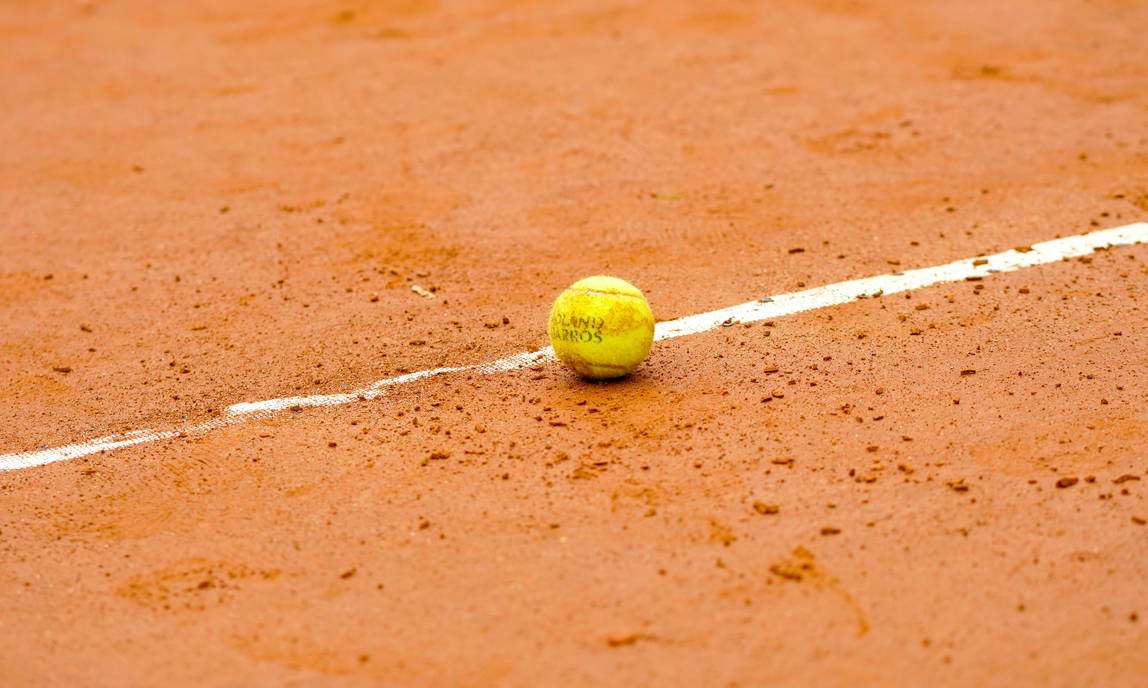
x=206, y=205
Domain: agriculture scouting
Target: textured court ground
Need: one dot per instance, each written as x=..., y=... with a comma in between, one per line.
x=210, y=203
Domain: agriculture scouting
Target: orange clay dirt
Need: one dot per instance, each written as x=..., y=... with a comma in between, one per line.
x=213, y=202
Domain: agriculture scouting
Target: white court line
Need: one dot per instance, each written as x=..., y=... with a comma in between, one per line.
x=764, y=309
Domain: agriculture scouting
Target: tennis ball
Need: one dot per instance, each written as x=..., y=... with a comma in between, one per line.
x=601, y=327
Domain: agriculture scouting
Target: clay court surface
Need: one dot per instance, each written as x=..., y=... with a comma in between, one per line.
x=209, y=203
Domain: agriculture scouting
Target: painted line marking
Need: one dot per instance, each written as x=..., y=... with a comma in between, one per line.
x=764, y=309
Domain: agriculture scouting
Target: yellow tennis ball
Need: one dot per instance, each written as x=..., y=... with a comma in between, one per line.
x=601, y=327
